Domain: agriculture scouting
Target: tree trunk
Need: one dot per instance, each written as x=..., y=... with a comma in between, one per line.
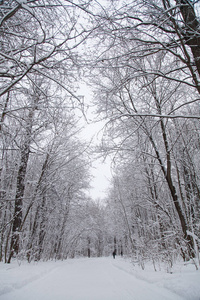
x=4, y=110
x=17, y=218
x=191, y=31
x=168, y=177
x=88, y=250
x=62, y=232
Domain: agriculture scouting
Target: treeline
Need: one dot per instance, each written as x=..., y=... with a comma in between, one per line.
x=147, y=87
x=44, y=167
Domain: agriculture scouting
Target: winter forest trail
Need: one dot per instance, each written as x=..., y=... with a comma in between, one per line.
x=90, y=279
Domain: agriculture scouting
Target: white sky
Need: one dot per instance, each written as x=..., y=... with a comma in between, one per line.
x=93, y=131
x=100, y=183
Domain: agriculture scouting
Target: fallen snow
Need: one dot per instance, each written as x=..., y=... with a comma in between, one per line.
x=96, y=279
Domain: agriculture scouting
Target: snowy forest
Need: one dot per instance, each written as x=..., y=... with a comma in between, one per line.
x=141, y=60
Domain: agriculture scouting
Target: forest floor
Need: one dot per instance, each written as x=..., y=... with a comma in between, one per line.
x=96, y=279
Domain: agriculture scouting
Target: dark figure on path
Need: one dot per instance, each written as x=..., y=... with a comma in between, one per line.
x=114, y=253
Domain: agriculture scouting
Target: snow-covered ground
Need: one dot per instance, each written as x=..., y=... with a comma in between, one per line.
x=96, y=279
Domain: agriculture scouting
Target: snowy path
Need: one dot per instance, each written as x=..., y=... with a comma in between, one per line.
x=90, y=279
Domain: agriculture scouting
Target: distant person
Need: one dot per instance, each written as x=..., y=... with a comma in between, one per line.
x=114, y=253
x=121, y=253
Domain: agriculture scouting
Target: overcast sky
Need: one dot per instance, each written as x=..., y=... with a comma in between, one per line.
x=93, y=131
